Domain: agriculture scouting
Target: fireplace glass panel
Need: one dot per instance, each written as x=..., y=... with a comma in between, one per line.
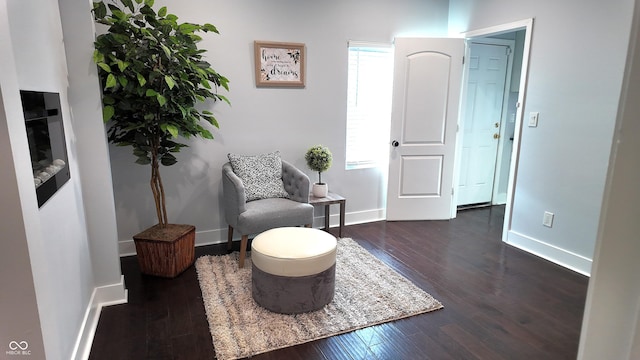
x=47, y=147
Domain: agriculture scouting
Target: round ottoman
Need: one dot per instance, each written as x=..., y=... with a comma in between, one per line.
x=293, y=269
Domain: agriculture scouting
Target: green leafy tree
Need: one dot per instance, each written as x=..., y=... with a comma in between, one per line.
x=153, y=75
x=318, y=159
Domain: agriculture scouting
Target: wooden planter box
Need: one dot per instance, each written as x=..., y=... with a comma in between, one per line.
x=166, y=252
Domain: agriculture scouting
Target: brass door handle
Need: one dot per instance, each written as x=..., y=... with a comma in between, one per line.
x=496, y=136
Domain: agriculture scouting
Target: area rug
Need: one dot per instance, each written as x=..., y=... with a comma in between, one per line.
x=367, y=293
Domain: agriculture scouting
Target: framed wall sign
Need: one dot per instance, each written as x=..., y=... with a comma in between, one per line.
x=279, y=64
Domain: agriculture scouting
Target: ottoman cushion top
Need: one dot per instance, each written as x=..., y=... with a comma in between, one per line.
x=293, y=251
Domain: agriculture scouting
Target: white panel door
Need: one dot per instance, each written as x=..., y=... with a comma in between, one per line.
x=424, y=115
x=481, y=124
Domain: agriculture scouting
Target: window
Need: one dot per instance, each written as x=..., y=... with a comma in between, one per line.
x=370, y=82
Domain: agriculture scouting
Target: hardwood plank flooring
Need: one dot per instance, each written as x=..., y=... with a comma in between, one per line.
x=499, y=302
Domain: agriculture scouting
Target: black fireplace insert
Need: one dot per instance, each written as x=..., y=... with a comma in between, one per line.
x=45, y=132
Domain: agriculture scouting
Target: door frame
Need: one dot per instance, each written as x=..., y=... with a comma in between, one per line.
x=527, y=26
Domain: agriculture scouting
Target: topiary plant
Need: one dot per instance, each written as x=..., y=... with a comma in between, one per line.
x=318, y=159
x=153, y=75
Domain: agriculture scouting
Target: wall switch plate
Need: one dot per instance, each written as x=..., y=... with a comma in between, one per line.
x=533, y=119
x=547, y=220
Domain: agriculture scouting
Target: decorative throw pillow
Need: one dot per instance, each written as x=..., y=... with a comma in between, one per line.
x=261, y=175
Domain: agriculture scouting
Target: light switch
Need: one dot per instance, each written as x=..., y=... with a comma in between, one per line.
x=547, y=220
x=533, y=119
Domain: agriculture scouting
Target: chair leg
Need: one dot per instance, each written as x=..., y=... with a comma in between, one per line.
x=230, y=238
x=243, y=250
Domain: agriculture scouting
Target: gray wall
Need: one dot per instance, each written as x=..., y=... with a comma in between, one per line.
x=562, y=162
x=575, y=75
x=266, y=119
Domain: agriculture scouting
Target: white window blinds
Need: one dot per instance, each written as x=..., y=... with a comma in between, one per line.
x=370, y=80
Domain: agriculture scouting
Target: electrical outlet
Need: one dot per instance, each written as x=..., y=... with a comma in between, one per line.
x=547, y=220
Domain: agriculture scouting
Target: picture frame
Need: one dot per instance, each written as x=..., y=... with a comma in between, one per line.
x=279, y=64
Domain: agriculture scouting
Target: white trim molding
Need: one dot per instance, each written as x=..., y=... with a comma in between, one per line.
x=102, y=296
x=556, y=255
x=218, y=236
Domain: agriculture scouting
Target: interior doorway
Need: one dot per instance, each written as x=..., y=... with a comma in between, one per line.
x=510, y=130
x=422, y=178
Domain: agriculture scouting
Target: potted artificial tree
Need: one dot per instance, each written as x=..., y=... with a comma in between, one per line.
x=319, y=159
x=153, y=75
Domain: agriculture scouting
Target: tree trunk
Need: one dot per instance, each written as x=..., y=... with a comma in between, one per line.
x=156, y=186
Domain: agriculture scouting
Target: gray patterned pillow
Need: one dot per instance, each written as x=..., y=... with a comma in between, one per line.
x=261, y=175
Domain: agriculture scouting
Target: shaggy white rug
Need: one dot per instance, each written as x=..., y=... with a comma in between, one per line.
x=367, y=293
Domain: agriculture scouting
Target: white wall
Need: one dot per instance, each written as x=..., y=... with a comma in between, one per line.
x=59, y=257
x=575, y=74
x=57, y=234
x=610, y=327
x=19, y=314
x=266, y=119
x=86, y=119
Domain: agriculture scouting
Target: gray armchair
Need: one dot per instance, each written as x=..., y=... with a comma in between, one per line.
x=256, y=216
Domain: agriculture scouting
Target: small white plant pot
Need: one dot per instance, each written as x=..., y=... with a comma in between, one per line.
x=320, y=190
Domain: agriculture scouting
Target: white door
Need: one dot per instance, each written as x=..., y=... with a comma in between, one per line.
x=480, y=127
x=424, y=115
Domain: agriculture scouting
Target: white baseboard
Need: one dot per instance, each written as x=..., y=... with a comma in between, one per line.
x=126, y=248
x=567, y=259
x=359, y=217
x=102, y=296
x=206, y=237
x=217, y=236
x=500, y=199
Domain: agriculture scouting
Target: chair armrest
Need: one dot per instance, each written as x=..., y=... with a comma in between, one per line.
x=233, y=193
x=296, y=183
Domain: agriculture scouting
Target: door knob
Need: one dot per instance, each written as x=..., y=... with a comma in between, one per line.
x=496, y=136
x=395, y=143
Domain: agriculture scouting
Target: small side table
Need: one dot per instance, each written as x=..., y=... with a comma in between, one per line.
x=331, y=199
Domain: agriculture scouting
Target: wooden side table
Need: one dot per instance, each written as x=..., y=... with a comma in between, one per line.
x=331, y=199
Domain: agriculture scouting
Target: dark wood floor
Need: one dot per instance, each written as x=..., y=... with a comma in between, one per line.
x=499, y=302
